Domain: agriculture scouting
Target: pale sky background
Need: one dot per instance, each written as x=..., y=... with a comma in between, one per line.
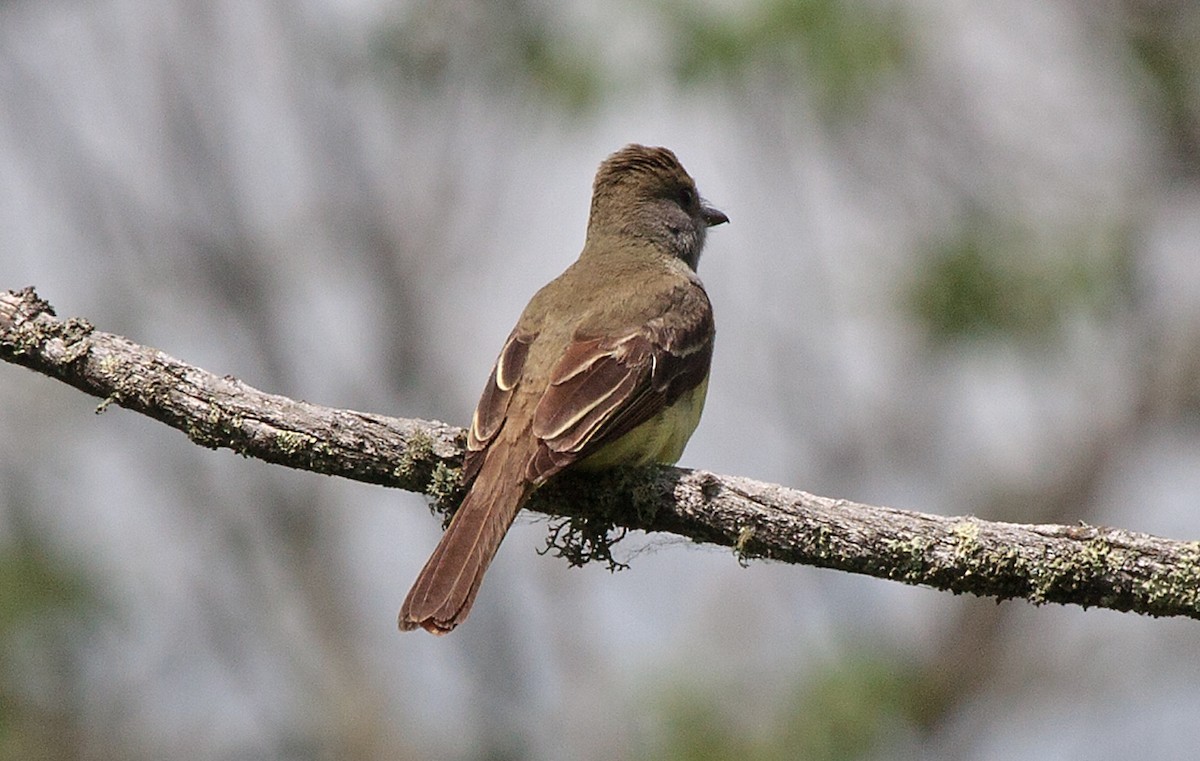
x=350, y=203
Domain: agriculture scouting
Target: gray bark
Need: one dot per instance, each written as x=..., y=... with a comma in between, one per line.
x=1080, y=564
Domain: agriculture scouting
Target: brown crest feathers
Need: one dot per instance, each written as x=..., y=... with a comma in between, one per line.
x=636, y=159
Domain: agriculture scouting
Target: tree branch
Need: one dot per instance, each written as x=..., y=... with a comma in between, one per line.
x=1083, y=565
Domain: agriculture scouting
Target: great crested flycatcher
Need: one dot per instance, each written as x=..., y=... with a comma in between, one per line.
x=607, y=366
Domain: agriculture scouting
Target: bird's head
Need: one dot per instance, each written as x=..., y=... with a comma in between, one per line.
x=645, y=193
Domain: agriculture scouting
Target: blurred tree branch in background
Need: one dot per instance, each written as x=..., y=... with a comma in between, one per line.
x=1083, y=565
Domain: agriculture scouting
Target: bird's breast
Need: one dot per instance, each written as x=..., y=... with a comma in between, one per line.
x=660, y=440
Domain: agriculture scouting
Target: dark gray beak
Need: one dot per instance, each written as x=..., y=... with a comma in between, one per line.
x=713, y=217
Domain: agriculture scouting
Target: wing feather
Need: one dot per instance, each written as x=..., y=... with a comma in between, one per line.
x=604, y=387
x=493, y=404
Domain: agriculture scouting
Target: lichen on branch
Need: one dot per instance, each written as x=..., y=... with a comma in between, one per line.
x=1081, y=565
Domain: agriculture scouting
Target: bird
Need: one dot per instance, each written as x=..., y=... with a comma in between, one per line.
x=606, y=367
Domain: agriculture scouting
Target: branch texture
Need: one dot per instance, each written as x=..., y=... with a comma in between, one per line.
x=1084, y=565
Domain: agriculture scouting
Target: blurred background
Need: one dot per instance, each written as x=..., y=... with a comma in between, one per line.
x=962, y=277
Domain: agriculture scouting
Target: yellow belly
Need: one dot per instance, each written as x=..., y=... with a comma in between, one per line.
x=660, y=439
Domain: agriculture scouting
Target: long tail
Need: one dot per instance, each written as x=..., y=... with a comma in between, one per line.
x=443, y=593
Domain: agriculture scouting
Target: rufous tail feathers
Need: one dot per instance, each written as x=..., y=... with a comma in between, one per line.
x=443, y=593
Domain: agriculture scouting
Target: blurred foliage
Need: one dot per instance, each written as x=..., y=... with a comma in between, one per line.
x=557, y=70
x=841, y=49
x=698, y=730
x=982, y=284
x=852, y=708
x=31, y=583
x=38, y=598
x=514, y=42
x=1162, y=36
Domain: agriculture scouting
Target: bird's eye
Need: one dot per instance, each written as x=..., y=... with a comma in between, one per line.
x=687, y=197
